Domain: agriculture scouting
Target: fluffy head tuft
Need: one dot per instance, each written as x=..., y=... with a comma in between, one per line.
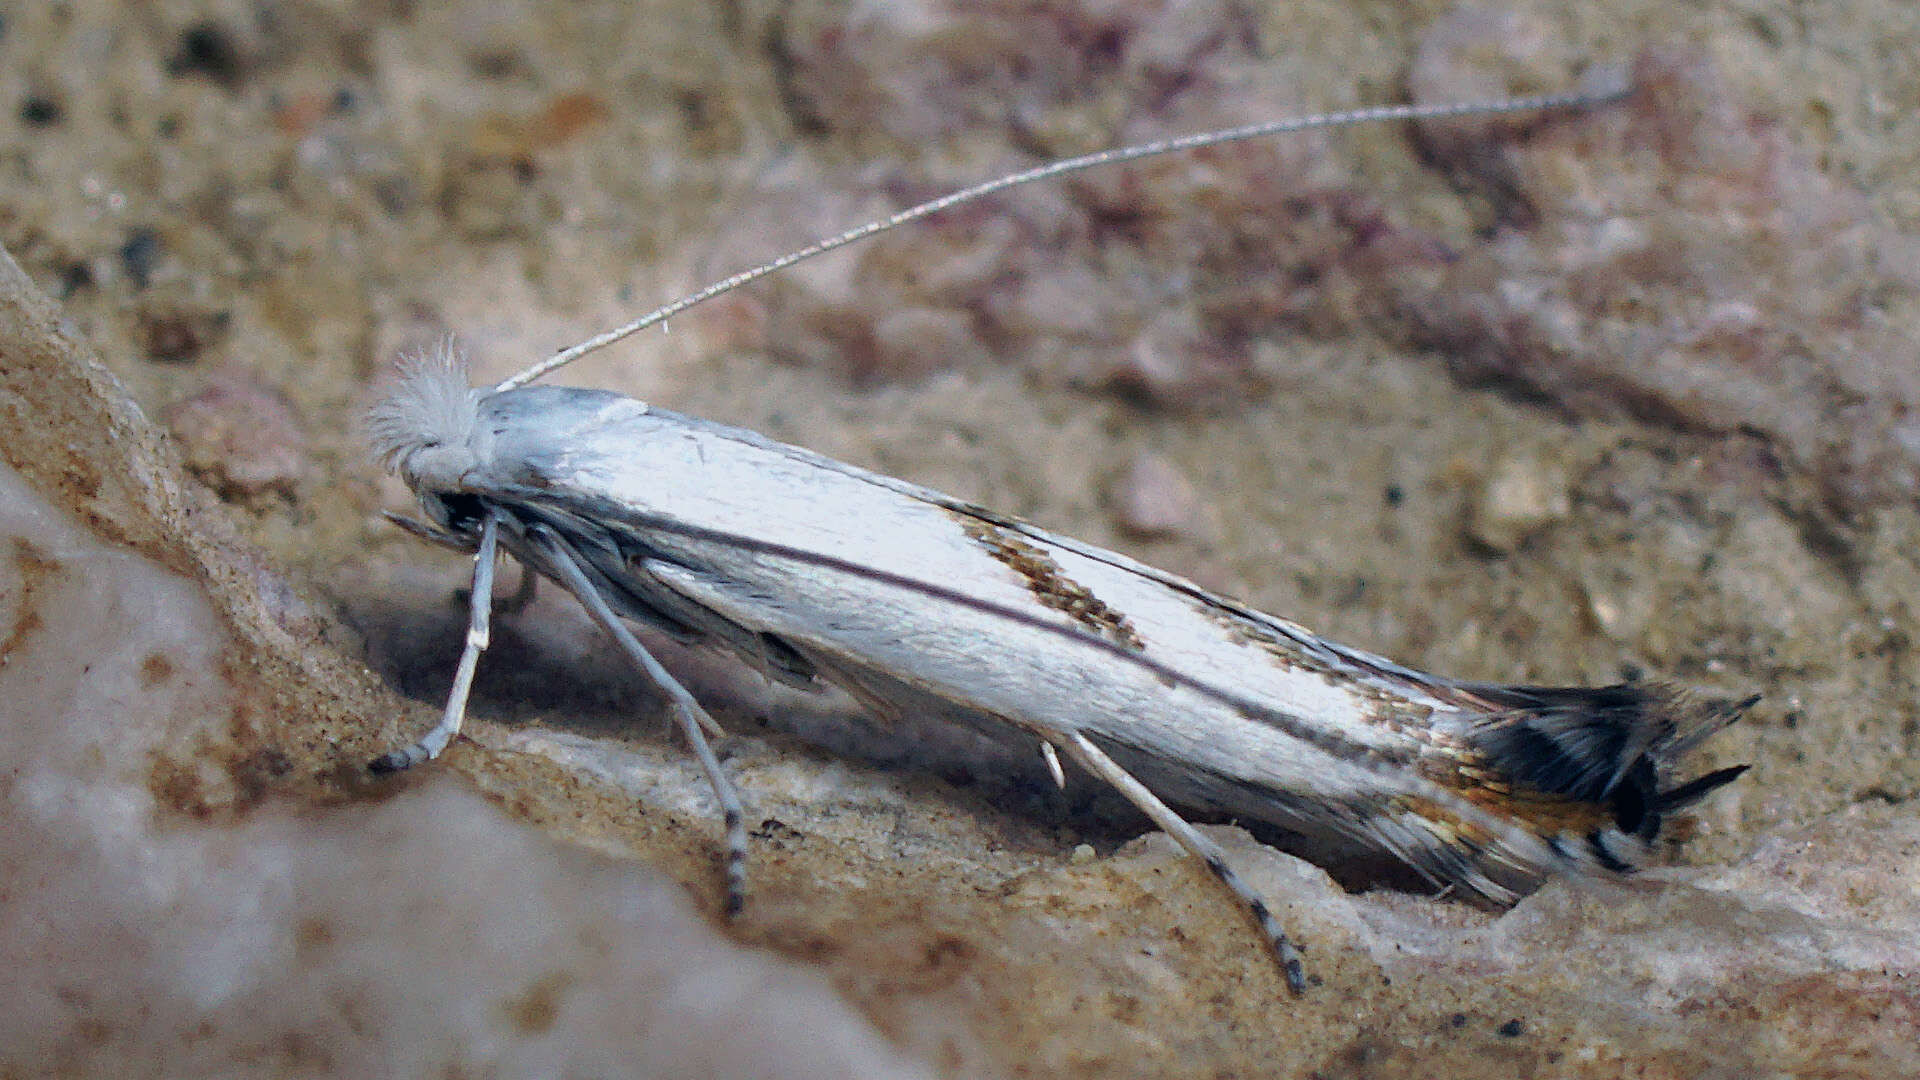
x=428, y=404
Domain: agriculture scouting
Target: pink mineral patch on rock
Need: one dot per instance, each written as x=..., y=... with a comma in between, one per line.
x=1151, y=281
x=1681, y=258
x=241, y=437
x=1153, y=498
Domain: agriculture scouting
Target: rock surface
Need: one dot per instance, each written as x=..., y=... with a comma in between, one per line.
x=1689, y=312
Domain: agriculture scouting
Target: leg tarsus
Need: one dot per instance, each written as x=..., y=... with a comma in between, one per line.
x=692, y=719
x=1052, y=758
x=479, y=632
x=1096, y=761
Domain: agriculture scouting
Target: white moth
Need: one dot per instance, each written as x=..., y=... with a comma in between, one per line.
x=814, y=571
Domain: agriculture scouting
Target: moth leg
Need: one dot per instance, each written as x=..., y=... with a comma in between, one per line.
x=1096, y=761
x=523, y=593
x=479, y=632
x=692, y=719
x=1052, y=757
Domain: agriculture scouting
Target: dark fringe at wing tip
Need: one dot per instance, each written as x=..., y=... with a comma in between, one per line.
x=1608, y=745
x=1676, y=799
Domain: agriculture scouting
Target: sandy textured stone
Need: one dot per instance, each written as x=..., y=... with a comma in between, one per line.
x=1517, y=498
x=1152, y=499
x=186, y=895
x=240, y=438
x=1693, y=306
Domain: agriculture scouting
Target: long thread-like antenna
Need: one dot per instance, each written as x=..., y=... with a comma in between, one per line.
x=1578, y=99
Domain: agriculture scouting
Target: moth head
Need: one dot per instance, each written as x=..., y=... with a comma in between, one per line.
x=422, y=425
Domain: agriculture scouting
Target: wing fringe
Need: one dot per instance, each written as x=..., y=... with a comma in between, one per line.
x=1612, y=747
